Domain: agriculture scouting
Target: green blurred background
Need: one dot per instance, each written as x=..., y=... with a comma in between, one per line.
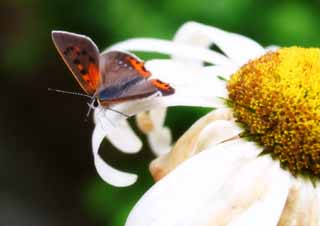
x=47, y=175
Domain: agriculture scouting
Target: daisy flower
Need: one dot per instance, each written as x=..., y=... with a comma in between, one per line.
x=253, y=161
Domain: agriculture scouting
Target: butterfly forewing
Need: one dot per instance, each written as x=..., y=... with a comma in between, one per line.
x=81, y=56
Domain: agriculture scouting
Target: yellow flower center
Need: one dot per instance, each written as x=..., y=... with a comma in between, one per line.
x=277, y=99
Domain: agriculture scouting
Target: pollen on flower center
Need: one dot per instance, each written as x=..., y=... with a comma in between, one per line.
x=277, y=99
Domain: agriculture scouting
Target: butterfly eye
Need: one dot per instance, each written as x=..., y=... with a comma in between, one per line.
x=95, y=103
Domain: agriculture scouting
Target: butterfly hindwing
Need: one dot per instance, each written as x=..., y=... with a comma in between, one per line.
x=119, y=67
x=81, y=56
x=134, y=90
x=129, y=91
x=124, y=77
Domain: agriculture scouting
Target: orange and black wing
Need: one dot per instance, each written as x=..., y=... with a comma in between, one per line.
x=81, y=56
x=163, y=87
x=124, y=78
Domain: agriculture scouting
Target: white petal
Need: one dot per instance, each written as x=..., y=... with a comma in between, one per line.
x=217, y=132
x=158, y=116
x=191, y=80
x=144, y=122
x=160, y=138
x=302, y=206
x=317, y=206
x=171, y=48
x=170, y=201
x=106, y=172
x=224, y=72
x=189, y=144
x=160, y=141
x=239, y=48
x=266, y=211
x=248, y=192
x=118, y=132
x=146, y=104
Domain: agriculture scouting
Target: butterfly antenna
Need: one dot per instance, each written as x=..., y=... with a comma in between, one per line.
x=91, y=104
x=68, y=92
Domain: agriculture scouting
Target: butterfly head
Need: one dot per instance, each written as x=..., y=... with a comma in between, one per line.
x=93, y=104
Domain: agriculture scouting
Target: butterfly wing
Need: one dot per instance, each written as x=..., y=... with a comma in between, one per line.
x=118, y=68
x=124, y=77
x=81, y=56
x=118, y=94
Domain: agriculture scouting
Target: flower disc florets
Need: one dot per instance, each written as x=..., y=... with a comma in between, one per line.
x=277, y=98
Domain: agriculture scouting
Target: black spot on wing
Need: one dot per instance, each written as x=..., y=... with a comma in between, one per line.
x=91, y=59
x=68, y=50
x=83, y=71
x=76, y=61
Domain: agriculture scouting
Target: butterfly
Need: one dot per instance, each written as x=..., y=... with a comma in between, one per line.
x=111, y=77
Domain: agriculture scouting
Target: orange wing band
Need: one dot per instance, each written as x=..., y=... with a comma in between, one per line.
x=163, y=87
x=91, y=78
x=139, y=66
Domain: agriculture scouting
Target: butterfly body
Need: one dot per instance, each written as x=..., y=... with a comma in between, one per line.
x=111, y=77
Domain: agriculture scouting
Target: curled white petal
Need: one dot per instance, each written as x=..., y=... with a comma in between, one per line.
x=158, y=116
x=118, y=132
x=175, y=197
x=152, y=124
x=106, y=172
x=160, y=137
x=239, y=48
x=194, y=141
x=160, y=141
